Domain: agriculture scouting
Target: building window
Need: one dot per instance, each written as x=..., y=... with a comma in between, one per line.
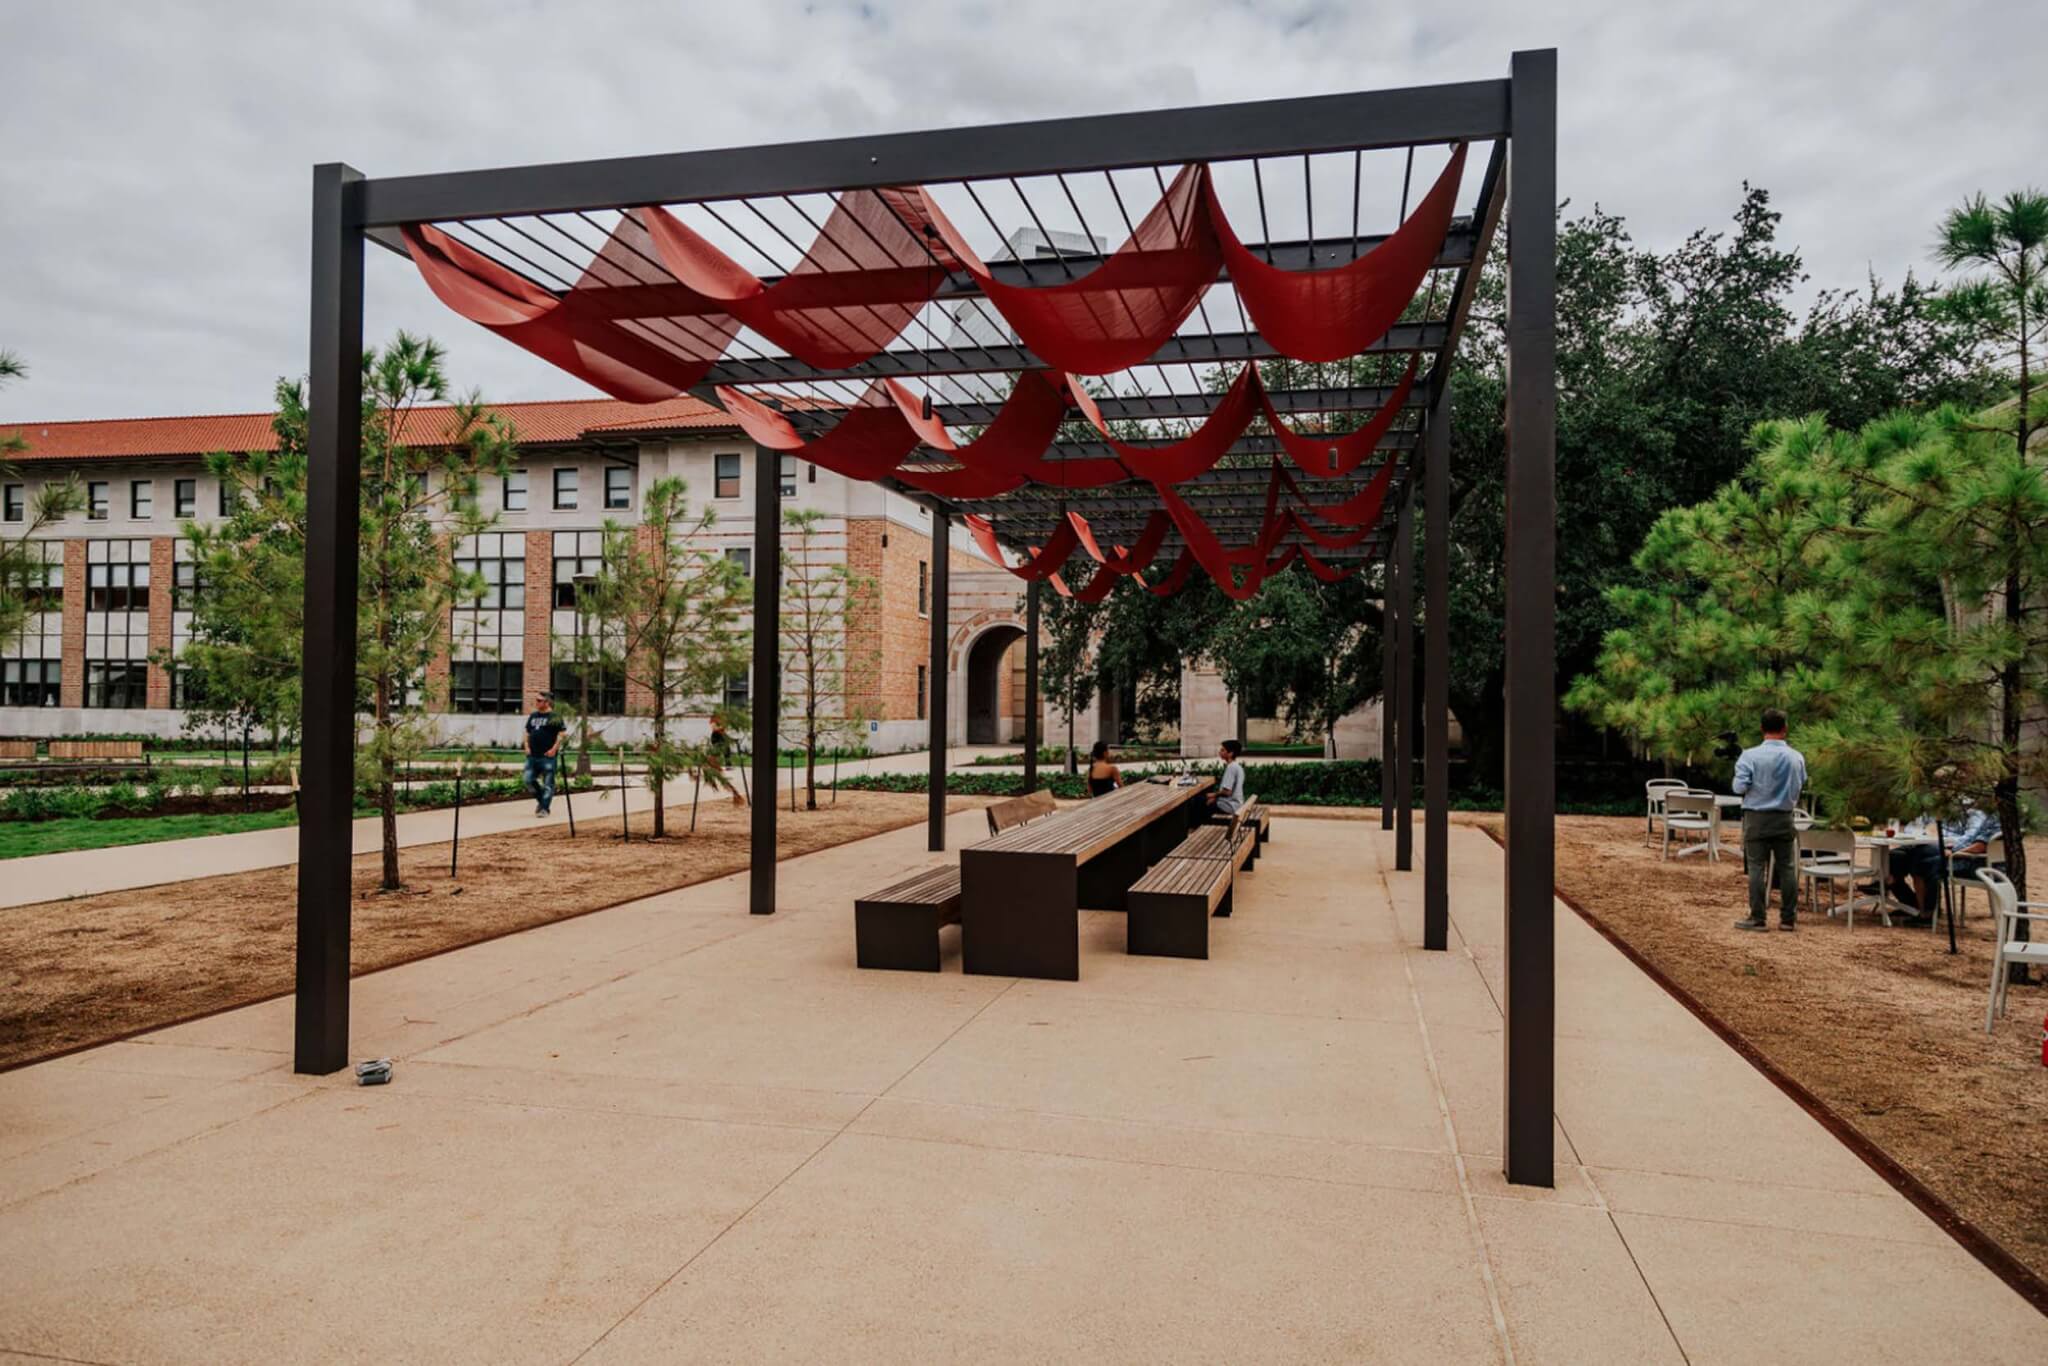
x=924, y=589
x=618, y=487
x=96, y=501
x=44, y=589
x=736, y=692
x=565, y=490
x=499, y=560
x=920, y=692
x=141, y=498
x=785, y=475
x=726, y=476
x=188, y=689
x=31, y=682
x=513, y=496
x=117, y=587
x=578, y=555
x=744, y=558
x=184, y=586
x=229, y=499
x=116, y=684
x=184, y=497
x=486, y=686
x=607, y=688
x=16, y=499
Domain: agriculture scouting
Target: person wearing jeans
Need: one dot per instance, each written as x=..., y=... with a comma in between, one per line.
x=1769, y=778
x=544, y=732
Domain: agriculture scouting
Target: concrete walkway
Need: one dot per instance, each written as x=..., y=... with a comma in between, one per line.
x=673, y=1132
x=84, y=872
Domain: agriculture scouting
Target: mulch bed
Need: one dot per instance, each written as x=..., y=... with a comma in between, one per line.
x=90, y=969
x=1883, y=1026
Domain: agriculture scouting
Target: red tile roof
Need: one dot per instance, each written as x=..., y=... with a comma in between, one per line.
x=536, y=423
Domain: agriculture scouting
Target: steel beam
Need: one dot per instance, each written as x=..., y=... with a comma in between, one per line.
x=1414, y=116
x=1198, y=349
x=767, y=691
x=334, y=440
x=939, y=676
x=1529, y=979
x=1389, y=610
x=1404, y=689
x=1436, y=676
x=1031, y=702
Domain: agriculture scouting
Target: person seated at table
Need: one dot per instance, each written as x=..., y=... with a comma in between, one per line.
x=1103, y=776
x=1226, y=799
x=1968, y=840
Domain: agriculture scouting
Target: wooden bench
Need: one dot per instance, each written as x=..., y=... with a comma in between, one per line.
x=1238, y=842
x=1016, y=811
x=96, y=749
x=17, y=749
x=898, y=927
x=1256, y=812
x=1168, y=911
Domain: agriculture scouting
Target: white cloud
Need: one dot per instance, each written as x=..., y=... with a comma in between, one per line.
x=156, y=173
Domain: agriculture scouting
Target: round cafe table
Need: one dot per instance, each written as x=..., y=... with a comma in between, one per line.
x=1881, y=847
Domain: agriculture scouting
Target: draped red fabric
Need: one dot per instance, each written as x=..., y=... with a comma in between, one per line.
x=1193, y=454
x=1319, y=315
x=1042, y=563
x=866, y=443
x=862, y=280
x=1361, y=509
x=1016, y=442
x=1176, y=577
x=1331, y=457
x=1121, y=312
x=1141, y=553
x=1095, y=590
x=1327, y=573
x=640, y=363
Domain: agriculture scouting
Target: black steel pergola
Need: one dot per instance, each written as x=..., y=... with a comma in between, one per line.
x=547, y=224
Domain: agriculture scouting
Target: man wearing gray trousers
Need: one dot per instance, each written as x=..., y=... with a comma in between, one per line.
x=1769, y=778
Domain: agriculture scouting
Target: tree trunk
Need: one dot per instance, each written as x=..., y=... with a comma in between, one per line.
x=2007, y=792
x=387, y=791
x=659, y=776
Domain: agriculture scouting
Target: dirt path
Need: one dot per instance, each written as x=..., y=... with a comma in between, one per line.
x=99, y=967
x=1883, y=1025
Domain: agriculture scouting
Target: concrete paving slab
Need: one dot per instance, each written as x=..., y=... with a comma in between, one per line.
x=1569, y=1288
x=863, y=1256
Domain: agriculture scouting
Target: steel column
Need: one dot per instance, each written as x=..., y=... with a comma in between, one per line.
x=767, y=691
x=937, y=677
x=334, y=439
x=1388, y=611
x=1031, y=687
x=1404, y=689
x=1436, y=676
x=1530, y=984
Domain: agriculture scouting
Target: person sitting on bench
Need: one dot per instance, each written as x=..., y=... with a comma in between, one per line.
x=1226, y=799
x=1103, y=777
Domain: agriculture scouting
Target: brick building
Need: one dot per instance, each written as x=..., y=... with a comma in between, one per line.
x=119, y=589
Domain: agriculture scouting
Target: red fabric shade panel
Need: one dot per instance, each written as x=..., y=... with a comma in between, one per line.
x=1042, y=563
x=857, y=287
x=1193, y=454
x=1119, y=313
x=1321, y=315
x=643, y=363
x=1141, y=553
x=1333, y=457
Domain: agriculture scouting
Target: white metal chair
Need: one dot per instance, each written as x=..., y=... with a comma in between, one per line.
x=1654, y=792
x=2007, y=911
x=1696, y=813
x=1830, y=856
x=1802, y=819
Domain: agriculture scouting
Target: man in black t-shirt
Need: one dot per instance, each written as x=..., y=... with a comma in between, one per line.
x=544, y=731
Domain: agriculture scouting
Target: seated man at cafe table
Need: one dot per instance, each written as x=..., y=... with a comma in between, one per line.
x=1967, y=839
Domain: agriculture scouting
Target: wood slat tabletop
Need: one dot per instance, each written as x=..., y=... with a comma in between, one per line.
x=1085, y=831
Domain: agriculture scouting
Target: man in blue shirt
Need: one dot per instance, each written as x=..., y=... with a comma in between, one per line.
x=1967, y=842
x=1769, y=778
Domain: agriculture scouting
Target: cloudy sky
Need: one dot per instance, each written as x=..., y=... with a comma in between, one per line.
x=154, y=157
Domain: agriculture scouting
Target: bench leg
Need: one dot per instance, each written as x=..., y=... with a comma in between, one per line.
x=1106, y=878
x=1229, y=902
x=1018, y=916
x=1167, y=925
x=892, y=936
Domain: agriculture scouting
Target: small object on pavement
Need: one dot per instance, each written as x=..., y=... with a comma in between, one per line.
x=374, y=1072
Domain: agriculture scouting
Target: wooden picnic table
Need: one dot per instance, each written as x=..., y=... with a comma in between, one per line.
x=1022, y=891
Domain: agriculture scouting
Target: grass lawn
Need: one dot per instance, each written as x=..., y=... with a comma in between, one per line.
x=19, y=839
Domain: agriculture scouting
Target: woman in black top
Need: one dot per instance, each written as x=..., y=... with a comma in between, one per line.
x=1103, y=777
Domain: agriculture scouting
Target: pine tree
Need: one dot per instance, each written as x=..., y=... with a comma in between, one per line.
x=23, y=571
x=671, y=605
x=818, y=594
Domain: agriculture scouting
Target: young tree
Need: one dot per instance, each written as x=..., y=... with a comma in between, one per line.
x=24, y=573
x=2004, y=306
x=1305, y=650
x=248, y=627
x=671, y=605
x=1067, y=662
x=817, y=596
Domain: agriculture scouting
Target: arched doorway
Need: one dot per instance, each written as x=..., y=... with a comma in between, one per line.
x=987, y=673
